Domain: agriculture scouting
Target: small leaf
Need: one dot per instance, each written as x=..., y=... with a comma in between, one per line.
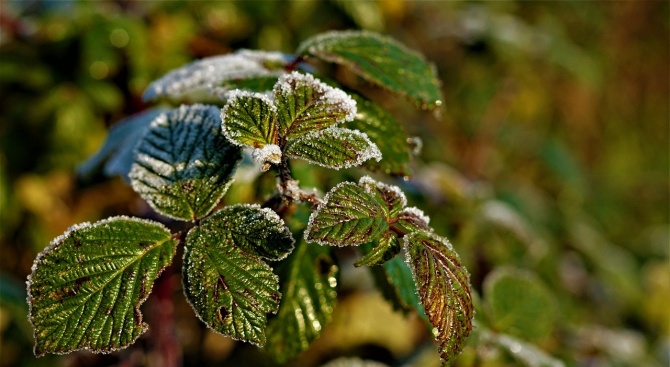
x=387, y=247
x=391, y=198
x=309, y=282
x=86, y=288
x=214, y=71
x=349, y=215
x=519, y=304
x=115, y=157
x=250, y=119
x=412, y=219
x=381, y=60
x=230, y=289
x=444, y=289
x=333, y=148
x=386, y=133
x=306, y=104
x=258, y=231
x=184, y=164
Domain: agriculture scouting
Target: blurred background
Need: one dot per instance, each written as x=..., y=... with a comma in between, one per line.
x=549, y=163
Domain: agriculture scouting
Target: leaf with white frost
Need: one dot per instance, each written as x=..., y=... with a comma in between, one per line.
x=333, y=147
x=381, y=60
x=250, y=119
x=115, y=157
x=228, y=285
x=444, y=289
x=387, y=247
x=184, y=164
x=211, y=72
x=306, y=104
x=86, y=288
x=309, y=282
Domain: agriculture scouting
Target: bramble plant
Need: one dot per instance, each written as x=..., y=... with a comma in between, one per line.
x=86, y=288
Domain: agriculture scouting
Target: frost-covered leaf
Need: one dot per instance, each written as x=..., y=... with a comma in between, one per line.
x=444, y=289
x=258, y=231
x=381, y=60
x=385, y=249
x=309, y=282
x=214, y=71
x=412, y=219
x=349, y=215
x=259, y=84
x=230, y=289
x=519, y=304
x=115, y=157
x=387, y=134
x=306, y=104
x=333, y=147
x=250, y=119
x=391, y=198
x=86, y=288
x=184, y=164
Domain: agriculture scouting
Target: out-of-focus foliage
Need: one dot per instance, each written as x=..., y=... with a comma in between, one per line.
x=551, y=158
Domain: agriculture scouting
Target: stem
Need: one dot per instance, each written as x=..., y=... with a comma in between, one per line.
x=294, y=64
x=289, y=191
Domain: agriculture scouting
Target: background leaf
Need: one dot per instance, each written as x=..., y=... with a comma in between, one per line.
x=333, y=148
x=309, y=282
x=86, y=288
x=349, y=215
x=230, y=290
x=250, y=119
x=213, y=71
x=306, y=104
x=519, y=304
x=389, y=136
x=444, y=289
x=381, y=60
x=184, y=164
x=387, y=247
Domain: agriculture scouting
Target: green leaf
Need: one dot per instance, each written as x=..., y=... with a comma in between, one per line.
x=386, y=248
x=213, y=71
x=519, y=304
x=381, y=60
x=333, y=148
x=250, y=119
x=309, y=282
x=184, y=164
x=386, y=133
x=86, y=288
x=349, y=215
x=412, y=219
x=444, y=289
x=258, y=231
x=230, y=289
x=115, y=157
x=306, y=104
x=390, y=198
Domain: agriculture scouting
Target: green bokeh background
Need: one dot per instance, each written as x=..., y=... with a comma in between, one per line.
x=551, y=157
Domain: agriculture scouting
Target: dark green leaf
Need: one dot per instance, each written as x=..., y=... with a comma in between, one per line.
x=309, y=282
x=214, y=71
x=519, y=304
x=386, y=133
x=184, y=164
x=250, y=119
x=116, y=155
x=306, y=104
x=230, y=289
x=350, y=215
x=381, y=60
x=333, y=148
x=394, y=280
x=86, y=288
x=444, y=289
x=412, y=219
x=386, y=248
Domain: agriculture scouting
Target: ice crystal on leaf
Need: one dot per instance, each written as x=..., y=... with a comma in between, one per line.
x=210, y=72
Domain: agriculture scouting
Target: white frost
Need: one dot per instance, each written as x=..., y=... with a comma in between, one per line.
x=270, y=153
x=212, y=71
x=367, y=182
x=414, y=211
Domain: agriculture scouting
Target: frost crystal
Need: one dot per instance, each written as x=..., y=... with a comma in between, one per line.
x=270, y=153
x=368, y=183
x=212, y=71
x=331, y=99
x=418, y=213
x=335, y=148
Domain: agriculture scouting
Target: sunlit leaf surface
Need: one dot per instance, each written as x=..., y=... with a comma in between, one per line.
x=86, y=288
x=184, y=164
x=250, y=119
x=309, y=281
x=381, y=60
x=444, y=289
